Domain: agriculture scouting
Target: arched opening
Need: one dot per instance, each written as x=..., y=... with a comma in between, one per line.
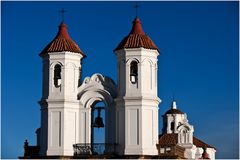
x=57, y=75
x=184, y=135
x=172, y=126
x=98, y=127
x=97, y=92
x=134, y=72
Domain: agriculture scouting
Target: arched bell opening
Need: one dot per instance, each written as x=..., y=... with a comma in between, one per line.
x=57, y=75
x=134, y=72
x=98, y=128
x=96, y=125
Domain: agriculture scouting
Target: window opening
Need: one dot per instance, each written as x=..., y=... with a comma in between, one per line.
x=98, y=128
x=172, y=126
x=133, y=72
x=57, y=75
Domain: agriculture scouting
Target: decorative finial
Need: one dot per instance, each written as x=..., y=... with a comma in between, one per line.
x=174, y=105
x=62, y=11
x=136, y=7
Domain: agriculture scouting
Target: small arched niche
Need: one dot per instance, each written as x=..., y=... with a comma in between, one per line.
x=57, y=75
x=133, y=72
x=172, y=127
x=97, y=116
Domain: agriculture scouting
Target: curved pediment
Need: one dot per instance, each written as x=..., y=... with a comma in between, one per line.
x=97, y=88
x=185, y=127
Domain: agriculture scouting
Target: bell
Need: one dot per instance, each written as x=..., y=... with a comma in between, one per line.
x=98, y=121
x=133, y=77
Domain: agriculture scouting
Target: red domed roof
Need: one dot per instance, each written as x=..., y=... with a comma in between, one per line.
x=62, y=42
x=136, y=38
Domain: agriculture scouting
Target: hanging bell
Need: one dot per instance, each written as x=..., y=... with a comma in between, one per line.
x=133, y=78
x=98, y=123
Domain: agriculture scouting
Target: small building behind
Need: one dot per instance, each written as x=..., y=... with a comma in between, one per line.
x=177, y=140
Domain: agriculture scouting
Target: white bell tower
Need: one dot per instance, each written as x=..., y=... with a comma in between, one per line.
x=137, y=101
x=59, y=106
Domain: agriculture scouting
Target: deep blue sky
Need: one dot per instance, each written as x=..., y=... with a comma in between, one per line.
x=198, y=61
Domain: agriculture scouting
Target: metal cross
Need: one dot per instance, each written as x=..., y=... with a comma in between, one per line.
x=136, y=7
x=62, y=11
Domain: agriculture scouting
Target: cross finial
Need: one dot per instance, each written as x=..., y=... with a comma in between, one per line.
x=174, y=105
x=62, y=11
x=136, y=6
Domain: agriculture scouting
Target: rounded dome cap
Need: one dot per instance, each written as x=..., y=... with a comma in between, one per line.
x=136, y=38
x=174, y=109
x=62, y=42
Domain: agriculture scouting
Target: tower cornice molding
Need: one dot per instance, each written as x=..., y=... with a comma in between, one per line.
x=57, y=101
x=123, y=51
x=141, y=99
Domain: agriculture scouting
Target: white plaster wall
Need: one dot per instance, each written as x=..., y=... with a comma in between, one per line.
x=84, y=131
x=211, y=153
x=132, y=116
x=141, y=127
x=169, y=120
x=190, y=151
x=71, y=129
x=55, y=132
x=149, y=130
x=138, y=102
x=55, y=128
x=62, y=127
x=59, y=105
x=147, y=72
x=70, y=72
x=198, y=153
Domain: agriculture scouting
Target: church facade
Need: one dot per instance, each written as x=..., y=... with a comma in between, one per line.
x=131, y=106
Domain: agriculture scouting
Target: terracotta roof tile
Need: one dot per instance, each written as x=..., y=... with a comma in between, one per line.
x=168, y=139
x=200, y=143
x=62, y=42
x=172, y=139
x=136, y=38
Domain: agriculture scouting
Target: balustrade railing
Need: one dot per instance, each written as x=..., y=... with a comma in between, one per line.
x=94, y=149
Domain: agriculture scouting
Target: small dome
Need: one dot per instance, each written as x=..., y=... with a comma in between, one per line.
x=136, y=38
x=174, y=111
x=62, y=42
